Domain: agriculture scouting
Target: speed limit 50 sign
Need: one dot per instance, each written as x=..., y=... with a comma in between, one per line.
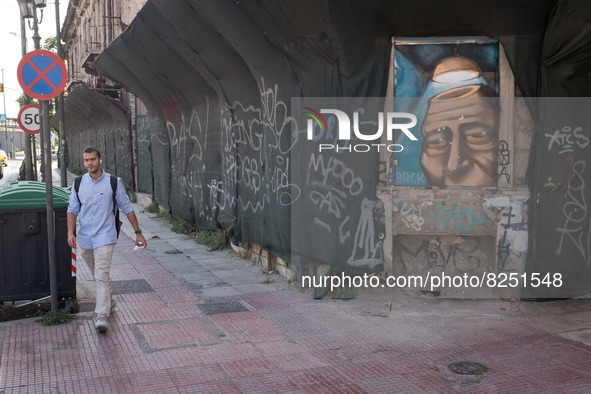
x=28, y=118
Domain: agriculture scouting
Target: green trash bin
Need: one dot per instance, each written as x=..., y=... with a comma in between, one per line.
x=24, y=259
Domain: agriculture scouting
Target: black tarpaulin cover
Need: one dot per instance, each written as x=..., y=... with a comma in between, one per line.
x=94, y=120
x=218, y=76
x=560, y=177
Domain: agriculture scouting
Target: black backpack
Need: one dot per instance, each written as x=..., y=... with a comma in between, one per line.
x=115, y=209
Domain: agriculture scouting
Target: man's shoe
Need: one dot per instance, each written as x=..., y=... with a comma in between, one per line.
x=101, y=324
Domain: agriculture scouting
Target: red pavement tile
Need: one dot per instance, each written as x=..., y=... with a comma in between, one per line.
x=272, y=300
x=554, y=375
x=389, y=384
x=292, y=362
x=576, y=387
x=222, y=387
x=251, y=366
x=161, y=342
x=251, y=326
x=279, y=348
x=183, y=310
x=583, y=367
x=156, y=381
x=231, y=351
x=325, y=341
x=430, y=381
x=174, y=334
x=366, y=370
x=181, y=358
x=297, y=322
x=569, y=352
x=408, y=363
x=197, y=374
x=517, y=383
x=143, y=307
x=363, y=349
x=325, y=380
x=163, y=335
x=161, y=280
x=127, y=273
x=176, y=294
x=269, y=383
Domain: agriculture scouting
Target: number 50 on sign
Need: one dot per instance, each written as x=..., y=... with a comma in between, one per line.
x=28, y=118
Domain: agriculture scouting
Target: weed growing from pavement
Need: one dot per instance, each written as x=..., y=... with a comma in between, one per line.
x=214, y=240
x=54, y=318
x=181, y=226
x=267, y=280
x=152, y=208
x=343, y=293
x=163, y=215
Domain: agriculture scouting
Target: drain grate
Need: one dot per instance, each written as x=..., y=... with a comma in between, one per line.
x=216, y=308
x=132, y=286
x=468, y=368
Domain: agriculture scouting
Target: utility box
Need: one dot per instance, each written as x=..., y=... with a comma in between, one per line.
x=24, y=258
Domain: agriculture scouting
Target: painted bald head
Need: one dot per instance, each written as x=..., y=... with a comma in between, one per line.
x=459, y=138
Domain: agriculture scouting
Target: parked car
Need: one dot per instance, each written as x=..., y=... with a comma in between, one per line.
x=3, y=158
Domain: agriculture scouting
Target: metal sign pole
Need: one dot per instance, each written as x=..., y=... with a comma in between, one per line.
x=32, y=69
x=5, y=120
x=46, y=146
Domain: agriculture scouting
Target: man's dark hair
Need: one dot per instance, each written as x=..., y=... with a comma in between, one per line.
x=91, y=149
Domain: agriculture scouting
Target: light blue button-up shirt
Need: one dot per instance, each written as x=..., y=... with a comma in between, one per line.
x=96, y=220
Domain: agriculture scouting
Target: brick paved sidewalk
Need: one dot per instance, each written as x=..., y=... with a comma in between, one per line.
x=162, y=341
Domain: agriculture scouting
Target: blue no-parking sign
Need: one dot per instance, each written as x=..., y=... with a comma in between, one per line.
x=42, y=74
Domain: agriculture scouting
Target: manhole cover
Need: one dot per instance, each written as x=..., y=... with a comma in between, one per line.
x=215, y=308
x=132, y=286
x=468, y=368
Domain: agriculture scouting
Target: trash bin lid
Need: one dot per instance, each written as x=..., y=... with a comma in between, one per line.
x=30, y=194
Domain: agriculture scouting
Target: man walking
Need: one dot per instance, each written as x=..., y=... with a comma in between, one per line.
x=96, y=235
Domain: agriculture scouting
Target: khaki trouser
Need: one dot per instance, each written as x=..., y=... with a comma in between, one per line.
x=99, y=262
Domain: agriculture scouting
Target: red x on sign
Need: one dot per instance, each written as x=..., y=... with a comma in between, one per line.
x=42, y=74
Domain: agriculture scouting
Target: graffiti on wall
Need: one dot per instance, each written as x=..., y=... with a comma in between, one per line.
x=369, y=235
x=240, y=170
x=446, y=253
x=572, y=232
x=450, y=87
x=256, y=143
x=574, y=209
x=338, y=219
x=510, y=216
x=565, y=140
x=332, y=189
x=188, y=135
x=504, y=161
x=411, y=214
x=462, y=219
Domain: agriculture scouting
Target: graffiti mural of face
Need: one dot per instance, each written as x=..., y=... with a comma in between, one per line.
x=459, y=138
